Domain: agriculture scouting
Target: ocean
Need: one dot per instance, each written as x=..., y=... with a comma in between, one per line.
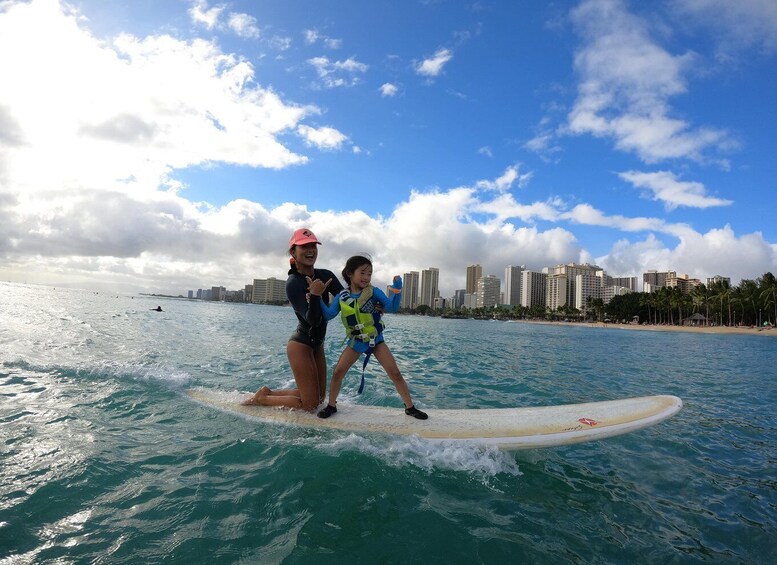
x=103, y=459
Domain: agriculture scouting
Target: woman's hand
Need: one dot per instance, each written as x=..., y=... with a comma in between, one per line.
x=317, y=287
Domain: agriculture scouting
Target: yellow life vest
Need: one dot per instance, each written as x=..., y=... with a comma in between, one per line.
x=362, y=326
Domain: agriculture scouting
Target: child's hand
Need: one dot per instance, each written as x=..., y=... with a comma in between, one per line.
x=396, y=285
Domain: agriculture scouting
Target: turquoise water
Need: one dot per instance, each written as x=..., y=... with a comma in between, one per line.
x=104, y=460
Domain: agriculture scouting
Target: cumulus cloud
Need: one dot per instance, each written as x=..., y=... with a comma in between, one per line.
x=433, y=66
x=739, y=25
x=387, y=90
x=335, y=74
x=323, y=137
x=205, y=16
x=211, y=18
x=696, y=254
x=127, y=112
x=664, y=186
x=243, y=25
x=626, y=82
x=313, y=36
x=506, y=181
x=169, y=243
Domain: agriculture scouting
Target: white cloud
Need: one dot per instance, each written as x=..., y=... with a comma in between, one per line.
x=323, y=137
x=126, y=113
x=626, y=81
x=168, y=243
x=505, y=182
x=243, y=25
x=433, y=66
x=388, y=89
x=485, y=150
x=719, y=251
x=106, y=208
x=338, y=73
x=313, y=36
x=664, y=186
x=203, y=15
x=741, y=24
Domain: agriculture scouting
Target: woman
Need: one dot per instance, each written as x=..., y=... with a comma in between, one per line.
x=305, y=347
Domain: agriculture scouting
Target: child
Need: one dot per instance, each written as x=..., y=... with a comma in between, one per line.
x=364, y=330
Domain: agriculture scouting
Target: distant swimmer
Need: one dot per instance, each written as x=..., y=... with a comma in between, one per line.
x=157, y=309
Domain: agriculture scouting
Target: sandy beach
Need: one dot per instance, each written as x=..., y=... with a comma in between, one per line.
x=741, y=330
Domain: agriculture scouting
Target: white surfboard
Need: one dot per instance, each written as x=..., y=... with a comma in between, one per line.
x=506, y=428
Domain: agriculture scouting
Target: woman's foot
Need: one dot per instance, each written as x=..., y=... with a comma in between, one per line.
x=327, y=411
x=256, y=398
x=416, y=413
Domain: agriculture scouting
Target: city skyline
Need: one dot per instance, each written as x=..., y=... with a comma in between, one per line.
x=163, y=144
x=561, y=285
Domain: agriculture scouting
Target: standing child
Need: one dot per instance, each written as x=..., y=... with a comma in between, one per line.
x=364, y=330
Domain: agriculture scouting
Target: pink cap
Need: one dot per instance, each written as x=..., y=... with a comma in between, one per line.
x=303, y=236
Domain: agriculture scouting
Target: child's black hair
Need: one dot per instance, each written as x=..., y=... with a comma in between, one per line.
x=352, y=264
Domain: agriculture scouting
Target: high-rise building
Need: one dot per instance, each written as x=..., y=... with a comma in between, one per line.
x=569, y=272
x=684, y=282
x=513, y=284
x=653, y=280
x=430, y=280
x=409, y=290
x=556, y=291
x=458, y=298
x=488, y=291
x=474, y=272
x=588, y=285
x=533, y=288
x=269, y=290
x=718, y=279
x=610, y=292
x=627, y=282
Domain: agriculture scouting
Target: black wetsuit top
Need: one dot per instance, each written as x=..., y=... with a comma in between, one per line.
x=311, y=329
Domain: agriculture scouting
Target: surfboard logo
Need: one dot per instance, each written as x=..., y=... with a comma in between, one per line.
x=588, y=421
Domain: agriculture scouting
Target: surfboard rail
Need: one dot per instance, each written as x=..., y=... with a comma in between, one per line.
x=506, y=428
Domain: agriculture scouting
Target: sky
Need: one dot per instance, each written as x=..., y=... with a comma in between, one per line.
x=163, y=146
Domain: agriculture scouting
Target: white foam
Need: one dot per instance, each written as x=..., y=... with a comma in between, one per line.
x=430, y=456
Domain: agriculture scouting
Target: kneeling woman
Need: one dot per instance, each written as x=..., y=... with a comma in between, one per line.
x=306, y=288
x=358, y=309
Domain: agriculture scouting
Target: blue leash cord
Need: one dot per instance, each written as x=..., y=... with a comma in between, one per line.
x=364, y=366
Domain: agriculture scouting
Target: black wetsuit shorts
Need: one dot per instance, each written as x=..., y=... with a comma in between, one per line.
x=301, y=337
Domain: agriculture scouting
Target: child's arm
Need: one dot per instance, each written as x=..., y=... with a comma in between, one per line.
x=332, y=310
x=391, y=303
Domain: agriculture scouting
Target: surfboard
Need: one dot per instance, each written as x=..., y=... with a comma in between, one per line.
x=506, y=428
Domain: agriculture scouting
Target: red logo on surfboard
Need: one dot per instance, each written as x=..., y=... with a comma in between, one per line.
x=588, y=421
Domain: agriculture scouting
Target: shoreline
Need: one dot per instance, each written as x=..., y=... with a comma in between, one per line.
x=719, y=330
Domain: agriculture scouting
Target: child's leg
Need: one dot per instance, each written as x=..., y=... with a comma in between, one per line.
x=383, y=355
x=347, y=358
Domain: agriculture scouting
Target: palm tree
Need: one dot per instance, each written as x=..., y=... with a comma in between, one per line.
x=645, y=301
x=749, y=290
x=768, y=294
x=700, y=296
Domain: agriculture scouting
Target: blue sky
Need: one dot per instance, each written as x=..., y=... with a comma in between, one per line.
x=164, y=146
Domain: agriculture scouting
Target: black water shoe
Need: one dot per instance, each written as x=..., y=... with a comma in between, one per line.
x=327, y=411
x=414, y=412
